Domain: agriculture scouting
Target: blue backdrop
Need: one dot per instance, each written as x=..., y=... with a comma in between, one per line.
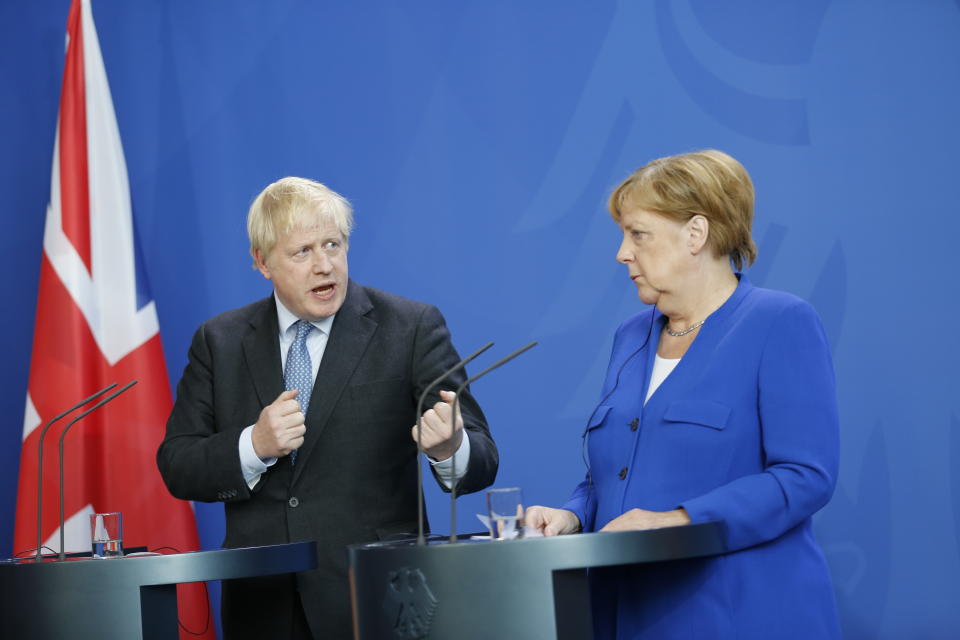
x=478, y=141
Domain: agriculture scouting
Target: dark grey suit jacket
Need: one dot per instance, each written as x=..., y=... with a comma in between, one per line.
x=355, y=475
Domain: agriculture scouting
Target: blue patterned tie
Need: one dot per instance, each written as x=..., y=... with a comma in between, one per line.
x=297, y=373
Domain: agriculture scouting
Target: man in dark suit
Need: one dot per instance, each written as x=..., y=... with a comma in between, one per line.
x=297, y=412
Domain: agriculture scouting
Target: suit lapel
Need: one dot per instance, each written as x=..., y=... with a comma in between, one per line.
x=663, y=394
x=653, y=344
x=261, y=349
x=688, y=369
x=351, y=333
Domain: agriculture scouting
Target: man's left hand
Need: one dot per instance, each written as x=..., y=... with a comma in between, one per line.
x=637, y=519
x=437, y=425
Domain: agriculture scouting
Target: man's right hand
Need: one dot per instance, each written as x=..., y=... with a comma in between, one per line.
x=552, y=522
x=280, y=428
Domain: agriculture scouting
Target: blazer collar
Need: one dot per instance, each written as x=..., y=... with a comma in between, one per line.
x=286, y=319
x=710, y=332
x=714, y=319
x=350, y=335
x=261, y=349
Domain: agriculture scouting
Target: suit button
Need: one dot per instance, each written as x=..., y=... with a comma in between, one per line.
x=294, y=502
x=634, y=424
x=623, y=473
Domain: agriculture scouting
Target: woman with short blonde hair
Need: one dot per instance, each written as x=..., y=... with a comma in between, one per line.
x=719, y=405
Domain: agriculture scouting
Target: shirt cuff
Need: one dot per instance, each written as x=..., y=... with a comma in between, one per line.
x=460, y=459
x=251, y=464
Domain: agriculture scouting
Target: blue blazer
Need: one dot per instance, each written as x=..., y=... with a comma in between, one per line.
x=743, y=431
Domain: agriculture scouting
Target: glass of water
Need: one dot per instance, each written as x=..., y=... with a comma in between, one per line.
x=106, y=534
x=506, y=512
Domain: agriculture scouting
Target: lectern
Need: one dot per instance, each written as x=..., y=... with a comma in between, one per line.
x=125, y=598
x=532, y=589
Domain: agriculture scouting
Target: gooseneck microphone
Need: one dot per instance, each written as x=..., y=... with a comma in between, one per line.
x=423, y=396
x=453, y=433
x=43, y=432
x=63, y=434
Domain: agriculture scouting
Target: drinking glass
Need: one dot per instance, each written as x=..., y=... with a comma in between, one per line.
x=506, y=512
x=106, y=534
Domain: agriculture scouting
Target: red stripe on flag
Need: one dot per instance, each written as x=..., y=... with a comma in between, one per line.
x=66, y=365
x=74, y=189
x=109, y=457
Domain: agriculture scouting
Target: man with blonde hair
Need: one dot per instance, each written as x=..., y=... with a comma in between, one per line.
x=297, y=413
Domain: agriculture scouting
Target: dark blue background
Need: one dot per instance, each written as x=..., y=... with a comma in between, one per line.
x=478, y=141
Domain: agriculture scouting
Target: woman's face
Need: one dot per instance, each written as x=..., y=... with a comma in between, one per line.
x=655, y=250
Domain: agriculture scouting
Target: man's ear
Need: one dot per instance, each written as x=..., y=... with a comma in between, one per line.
x=698, y=229
x=261, y=263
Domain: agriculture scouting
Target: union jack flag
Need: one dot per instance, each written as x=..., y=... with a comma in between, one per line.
x=96, y=323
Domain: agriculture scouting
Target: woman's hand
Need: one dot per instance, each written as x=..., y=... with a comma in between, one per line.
x=637, y=519
x=552, y=522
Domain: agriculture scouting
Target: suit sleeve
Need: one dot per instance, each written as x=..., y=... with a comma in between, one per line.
x=800, y=437
x=196, y=460
x=432, y=355
x=583, y=504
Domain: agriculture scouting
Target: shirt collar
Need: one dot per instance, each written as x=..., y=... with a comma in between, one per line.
x=286, y=319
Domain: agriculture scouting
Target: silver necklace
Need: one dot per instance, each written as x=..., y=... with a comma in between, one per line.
x=677, y=334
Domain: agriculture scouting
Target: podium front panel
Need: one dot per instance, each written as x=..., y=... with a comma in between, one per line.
x=125, y=598
x=532, y=589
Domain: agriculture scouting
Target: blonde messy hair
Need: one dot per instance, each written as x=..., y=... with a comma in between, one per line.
x=292, y=202
x=709, y=183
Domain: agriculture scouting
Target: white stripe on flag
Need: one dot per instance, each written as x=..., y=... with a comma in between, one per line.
x=31, y=419
x=108, y=298
x=76, y=532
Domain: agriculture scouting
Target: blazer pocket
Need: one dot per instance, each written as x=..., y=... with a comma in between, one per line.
x=702, y=412
x=597, y=418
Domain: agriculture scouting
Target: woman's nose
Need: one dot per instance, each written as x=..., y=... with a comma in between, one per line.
x=624, y=253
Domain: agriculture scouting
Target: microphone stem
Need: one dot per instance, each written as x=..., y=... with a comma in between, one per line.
x=456, y=399
x=63, y=434
x=43, y=433
x=420, y=538
x=453, y=472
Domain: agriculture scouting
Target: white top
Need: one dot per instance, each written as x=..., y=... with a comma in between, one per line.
x=253, y=466
x=662, y=367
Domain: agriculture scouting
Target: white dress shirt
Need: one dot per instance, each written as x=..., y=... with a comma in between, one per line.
x=662, y=367
x=253, y=466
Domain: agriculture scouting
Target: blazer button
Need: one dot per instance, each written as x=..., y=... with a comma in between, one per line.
x=634, y=424
x=623, y=473
x=294, y=502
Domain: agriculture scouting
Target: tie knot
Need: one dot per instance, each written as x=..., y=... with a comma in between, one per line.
x=303, y=328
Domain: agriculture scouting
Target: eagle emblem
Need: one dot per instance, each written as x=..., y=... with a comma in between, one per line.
x=410, y=604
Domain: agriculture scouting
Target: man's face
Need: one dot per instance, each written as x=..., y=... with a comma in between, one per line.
x=308, y=267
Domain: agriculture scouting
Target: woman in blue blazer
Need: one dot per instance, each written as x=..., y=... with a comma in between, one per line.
x=719, y=405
